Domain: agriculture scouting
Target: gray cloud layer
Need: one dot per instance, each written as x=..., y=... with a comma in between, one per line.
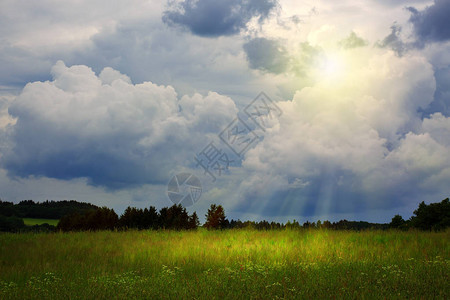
x=266, y=55
x=213, y=18
x=353, y=41
x=394, y=41
x=272, y=56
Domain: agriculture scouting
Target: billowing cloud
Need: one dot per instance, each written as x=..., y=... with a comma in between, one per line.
x=433, y=23
x=267, y=55
x=219, y=17
x=106, y=129
x=353, y=144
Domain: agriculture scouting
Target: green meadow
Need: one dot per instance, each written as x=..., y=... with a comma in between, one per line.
x=33, y=221
x=228, y=264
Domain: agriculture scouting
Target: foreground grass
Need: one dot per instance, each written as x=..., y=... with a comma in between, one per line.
x=33, y=221
x=230, y=264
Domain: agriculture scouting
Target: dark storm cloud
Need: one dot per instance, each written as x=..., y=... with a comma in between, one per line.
x=433, y=23
x=214, y=18
x=266, y=55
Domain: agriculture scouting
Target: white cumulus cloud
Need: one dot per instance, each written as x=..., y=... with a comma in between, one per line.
x=106, y=129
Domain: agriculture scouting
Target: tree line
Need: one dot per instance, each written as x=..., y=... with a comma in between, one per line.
x=175, y=217
x=434, y=216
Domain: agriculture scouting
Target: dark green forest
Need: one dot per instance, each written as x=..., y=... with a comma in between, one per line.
x=44, y=210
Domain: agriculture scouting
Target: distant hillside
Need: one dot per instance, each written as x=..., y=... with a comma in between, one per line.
x=44, y=210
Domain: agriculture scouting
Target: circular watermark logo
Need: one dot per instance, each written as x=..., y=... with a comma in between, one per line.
x=184, y=189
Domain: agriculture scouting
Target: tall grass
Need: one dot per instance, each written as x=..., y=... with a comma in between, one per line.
x=225, y=264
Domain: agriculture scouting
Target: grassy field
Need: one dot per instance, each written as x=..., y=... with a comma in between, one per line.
x=234, y=264
x=32, y=221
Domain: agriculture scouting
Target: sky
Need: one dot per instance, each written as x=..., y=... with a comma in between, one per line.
x=281, y=110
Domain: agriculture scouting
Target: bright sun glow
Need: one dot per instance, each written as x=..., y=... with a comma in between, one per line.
x=331, y=66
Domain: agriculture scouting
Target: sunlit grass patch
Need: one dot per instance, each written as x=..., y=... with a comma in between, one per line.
x=33, y=221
